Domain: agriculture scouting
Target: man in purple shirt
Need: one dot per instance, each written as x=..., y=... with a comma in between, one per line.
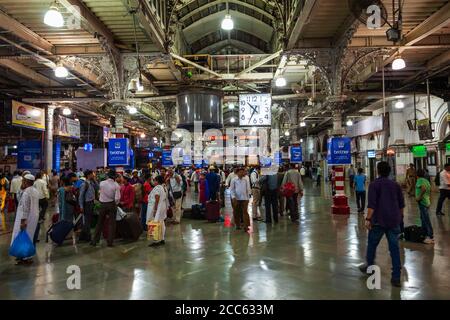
x=384, y=216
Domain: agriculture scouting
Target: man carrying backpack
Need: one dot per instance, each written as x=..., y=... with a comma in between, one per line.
x=443, y=181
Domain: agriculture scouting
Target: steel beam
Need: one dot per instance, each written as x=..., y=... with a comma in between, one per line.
x=301, y=22
x=259, y=63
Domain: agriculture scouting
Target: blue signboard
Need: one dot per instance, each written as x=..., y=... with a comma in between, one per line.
x=29, y=155
x=151, y=155
x=157, y=149
x=371, y=154
x=118, y=152
x=88, y=147
x=187, y=161
x=277, y=158
x=167, y=158
x=57, y=156
x=265, y=162
x=339, y=151
x=296, y=154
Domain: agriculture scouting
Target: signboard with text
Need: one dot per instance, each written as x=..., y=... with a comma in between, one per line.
x=296, y=154
x=67, y=127
x=24, y=115
x=166, y=160
x=419, y=151
x=118, y=152
x=339, y=151
x=29, y=155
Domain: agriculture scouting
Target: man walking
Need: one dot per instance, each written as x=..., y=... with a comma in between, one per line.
x=360, y=190
x=256, y=194
x=294, y=177
x=384, y=216
x=176, y=187
x=16, y=184
x=109, y=199
x=43, y=195
x=86, y=203
x=240, y=195
x=269, y=189
x=444, y=189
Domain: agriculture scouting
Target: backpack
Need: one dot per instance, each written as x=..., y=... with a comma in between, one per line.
x=437, y=179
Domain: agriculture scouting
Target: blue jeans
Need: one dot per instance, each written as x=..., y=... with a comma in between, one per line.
x=375, y=235
x=144, y=216
x=426, y=223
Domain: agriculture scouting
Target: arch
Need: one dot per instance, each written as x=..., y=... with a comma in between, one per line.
x=233, y=42
x=210, y=24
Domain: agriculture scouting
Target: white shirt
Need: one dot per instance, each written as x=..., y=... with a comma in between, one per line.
x=16, y=184
x=302, y=171
x=445, y=180
x=240, y=188
x=109, y=191
x=163, y=205
x=174, y=185
x=230, y=177
x=41, y=188
x=254, y=177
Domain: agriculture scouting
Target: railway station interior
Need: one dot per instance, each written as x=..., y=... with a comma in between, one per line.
x=225, y=149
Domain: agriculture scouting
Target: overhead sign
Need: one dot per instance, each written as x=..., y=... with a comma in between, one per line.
x=265, y=162
x=419, y=151
x=29, y=155
x=187, y=161
x=277, y=158
x=88, y=147
x=151, y=155
x=24, y=115
x=57, y=156
x=366, y=126
x=339, y=151
x=67, y=127
x=296, y=154
x=371, y=154
x=118, y=152
x=166, y=160
x=424, y=129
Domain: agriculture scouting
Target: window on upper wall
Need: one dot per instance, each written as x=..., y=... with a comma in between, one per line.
x=431, y=158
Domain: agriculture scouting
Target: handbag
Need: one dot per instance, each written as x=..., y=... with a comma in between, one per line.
x=22, y=247
x=154, y=230
x=177, y=195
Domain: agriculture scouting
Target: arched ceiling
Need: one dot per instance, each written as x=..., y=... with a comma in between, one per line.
x=253, y=24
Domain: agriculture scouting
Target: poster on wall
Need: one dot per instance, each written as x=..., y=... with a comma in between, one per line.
x=29, y=155
x=24, y=115
x=339, y=151
x=67, y=127
x=118, y=152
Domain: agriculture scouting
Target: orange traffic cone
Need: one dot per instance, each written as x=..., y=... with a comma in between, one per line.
x=227, y=221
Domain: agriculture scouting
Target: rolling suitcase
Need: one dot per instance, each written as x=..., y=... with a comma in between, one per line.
x=213, y=211
x=130, y=228
x=58, y=232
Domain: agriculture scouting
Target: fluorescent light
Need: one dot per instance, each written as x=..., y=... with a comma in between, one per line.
x=162, y=126
x=76, y=119
x=15, y=147
x=132, y=110
x=287, y=133
x=303, y=124
x=61, y=72
x=54, y=18
x=35, y=112
x=349, y=123
x=142, y=135
x=231, y=105
x=399, y=104
x=301, y=140
x=232, y=120
x=66, y=111
x=280, y=82
x=398, y=63
x=227, y=23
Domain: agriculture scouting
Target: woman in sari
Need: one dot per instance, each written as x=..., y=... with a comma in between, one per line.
x=158, y=204
x=203, y=189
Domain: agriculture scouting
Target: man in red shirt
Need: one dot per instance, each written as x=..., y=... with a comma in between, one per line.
x=147, y=189
x=126, y=195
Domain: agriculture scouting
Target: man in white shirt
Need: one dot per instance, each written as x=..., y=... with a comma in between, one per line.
x=444, y=189
x=175, y=186
x=43, y=195
x=195, y=178
x=231, y=176
x=109, y=199
x=240, y=195
x=16, y=184
x=256, y=194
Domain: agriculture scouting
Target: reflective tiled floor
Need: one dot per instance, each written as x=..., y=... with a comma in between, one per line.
x=316, y=259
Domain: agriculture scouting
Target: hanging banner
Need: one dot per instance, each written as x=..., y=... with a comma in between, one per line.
x=339, y=151
x=67, y=127
x=57, y=156
x=424, y=129
x=24, y=115
x=29, y=155
x=118, y=152
x=166, y=160
x=296, y=154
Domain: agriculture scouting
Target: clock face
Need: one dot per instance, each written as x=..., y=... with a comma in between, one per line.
x=255, y=110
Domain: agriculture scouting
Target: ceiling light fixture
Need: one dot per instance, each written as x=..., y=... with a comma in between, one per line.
x=232, y=120
x=287, y=133
x=61, y=71
x=303, y=124
x=227, y=23
x=142, y=135
x=301, y=140
x=53, y=17
x=399, y=104
x=132, y=110
x=231, y=105
x=349, y=123
x=280, y=82
x=398, y=63
x=66, y=111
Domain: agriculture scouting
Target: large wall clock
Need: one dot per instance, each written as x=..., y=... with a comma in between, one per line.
x=255, y=109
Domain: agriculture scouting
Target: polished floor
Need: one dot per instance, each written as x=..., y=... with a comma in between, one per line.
x=316, y=259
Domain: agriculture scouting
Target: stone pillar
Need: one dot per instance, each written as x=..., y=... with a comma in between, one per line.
x=49, y=139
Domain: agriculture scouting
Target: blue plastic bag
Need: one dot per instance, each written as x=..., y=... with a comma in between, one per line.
x=22, y=247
